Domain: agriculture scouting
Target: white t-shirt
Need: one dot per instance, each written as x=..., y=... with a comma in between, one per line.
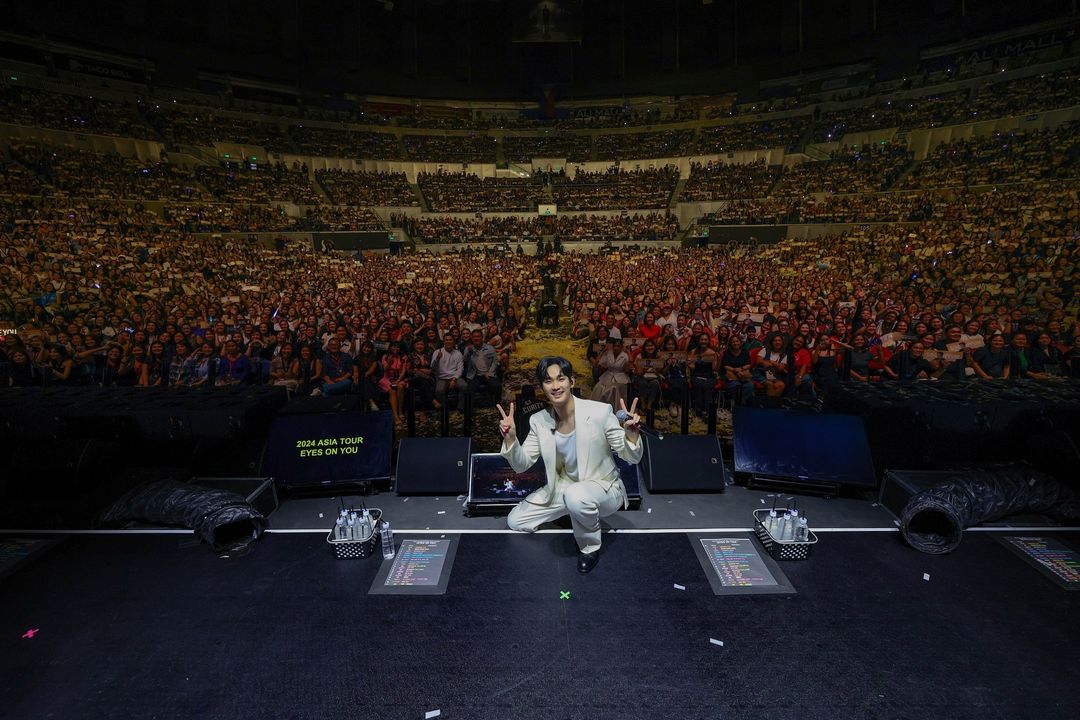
x=566, y=455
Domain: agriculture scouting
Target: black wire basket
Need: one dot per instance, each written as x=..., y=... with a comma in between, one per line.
x=349, y=548
x=782, y=549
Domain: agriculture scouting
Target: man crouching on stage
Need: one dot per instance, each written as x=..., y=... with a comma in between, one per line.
x=575, y=438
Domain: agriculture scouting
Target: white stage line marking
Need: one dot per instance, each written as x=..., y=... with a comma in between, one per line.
x=507, y=531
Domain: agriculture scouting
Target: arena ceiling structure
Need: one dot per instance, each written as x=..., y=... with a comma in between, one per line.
x=480, y=49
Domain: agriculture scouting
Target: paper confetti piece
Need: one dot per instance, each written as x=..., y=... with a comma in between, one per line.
x=926, y=576
x=29, y=634
x=762, y=501
x=692, y=513
x=679, y=587
x=714, y=641
x=441, y=512
x=874, y=505
x=320, y=514
x=648, y=511
x=432, y=714
x=896, y=523
x=405, y=500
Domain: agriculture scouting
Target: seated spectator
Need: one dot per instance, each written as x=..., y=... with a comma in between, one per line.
x=233, y=366
x=337, y=369
x=992, y=362
x=285, y=368
x=448, y=365
x=770, y=365
x=612, y=384
x=736, y=365
x=311, y=371
x=703, y=363
x=421, y=376
x=1046, y=360
x=481, y=369
x=802, y=379
x=394, y=380
x=909, y=365
x=366, y=372
x=646, y=377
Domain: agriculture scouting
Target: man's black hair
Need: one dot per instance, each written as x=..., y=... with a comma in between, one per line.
x=565, y=368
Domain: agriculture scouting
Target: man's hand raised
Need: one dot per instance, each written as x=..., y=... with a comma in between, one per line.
x=507, y=428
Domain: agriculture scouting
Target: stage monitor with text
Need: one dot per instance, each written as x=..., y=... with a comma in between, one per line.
x=329, y=449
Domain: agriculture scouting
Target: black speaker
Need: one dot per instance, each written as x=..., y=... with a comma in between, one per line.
x=433, y=466
x=684, y=463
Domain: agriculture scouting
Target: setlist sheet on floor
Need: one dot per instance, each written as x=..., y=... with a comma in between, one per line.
x=421, y=566
x=1055, y=560
x=736, y=564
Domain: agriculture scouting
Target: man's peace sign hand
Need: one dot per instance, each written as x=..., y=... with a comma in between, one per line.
x=633, y=422
x=507, y=428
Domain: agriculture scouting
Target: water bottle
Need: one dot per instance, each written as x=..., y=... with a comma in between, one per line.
x=369, y=523
x=781, y=525
x=771, y=521
x=802, y=533
x=793, y=523
x=387, y=536
x=339, y=533
x=351, y=527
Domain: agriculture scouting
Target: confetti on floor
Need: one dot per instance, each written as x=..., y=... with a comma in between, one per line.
x=714, y=641
x=29, y=634
x=679, y=587
x=432, y=714
x=926, y=576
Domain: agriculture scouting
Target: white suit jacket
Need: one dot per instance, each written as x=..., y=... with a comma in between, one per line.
x=596, y=432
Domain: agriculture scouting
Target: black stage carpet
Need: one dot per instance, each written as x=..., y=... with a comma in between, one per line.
x=148, y=627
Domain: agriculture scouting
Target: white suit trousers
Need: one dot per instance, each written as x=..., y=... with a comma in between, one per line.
x=584, y=501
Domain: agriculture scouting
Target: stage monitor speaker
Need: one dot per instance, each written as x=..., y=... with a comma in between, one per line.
x=433, y=466
x=683, y=463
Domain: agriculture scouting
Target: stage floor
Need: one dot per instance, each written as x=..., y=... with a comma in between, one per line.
x=153, y=626
x=670, y=511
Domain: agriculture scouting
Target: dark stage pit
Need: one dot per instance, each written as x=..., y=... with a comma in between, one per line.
x=141, y=626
